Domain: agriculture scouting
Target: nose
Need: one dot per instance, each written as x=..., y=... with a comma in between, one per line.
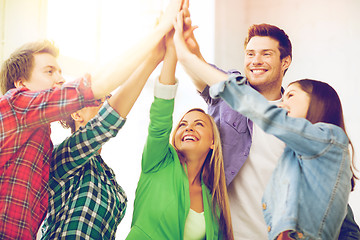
x=257, y=60
x=283, y=105
x=189, y=128
x=59, y=79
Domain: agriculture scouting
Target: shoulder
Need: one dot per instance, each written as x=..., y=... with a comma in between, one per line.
x=336, y=131
x=335, y=135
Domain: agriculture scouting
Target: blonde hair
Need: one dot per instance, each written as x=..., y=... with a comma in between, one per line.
x=213, y=176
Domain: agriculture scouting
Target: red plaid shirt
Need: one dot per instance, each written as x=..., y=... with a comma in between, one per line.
x=25, y=150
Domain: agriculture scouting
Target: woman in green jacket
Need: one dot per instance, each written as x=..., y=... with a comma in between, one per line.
x=181, y=193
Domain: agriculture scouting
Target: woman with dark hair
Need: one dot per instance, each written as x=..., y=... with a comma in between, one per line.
x=325, y=106
x=308, y=192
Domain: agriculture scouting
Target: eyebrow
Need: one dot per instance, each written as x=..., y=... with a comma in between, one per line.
x=262, y=50
x=197, y=120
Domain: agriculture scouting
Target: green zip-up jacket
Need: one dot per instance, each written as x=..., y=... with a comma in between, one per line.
x=162, y=199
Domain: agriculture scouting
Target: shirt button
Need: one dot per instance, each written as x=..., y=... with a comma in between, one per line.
x=232, y=172
x=234, y=124
x=264, y=206
x=269, y=229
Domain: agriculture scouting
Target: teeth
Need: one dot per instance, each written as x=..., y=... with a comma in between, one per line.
x=258, y=70
x=191, y=138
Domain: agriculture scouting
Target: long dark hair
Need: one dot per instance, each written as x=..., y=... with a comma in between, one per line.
x=325, y=106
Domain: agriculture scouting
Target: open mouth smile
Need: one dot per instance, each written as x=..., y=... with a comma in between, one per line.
x=191, y=138
x=258, y=71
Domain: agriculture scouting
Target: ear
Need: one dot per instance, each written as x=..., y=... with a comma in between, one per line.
x=212, y=145
x=286, y=61
x=77, y=116
x=20, y=83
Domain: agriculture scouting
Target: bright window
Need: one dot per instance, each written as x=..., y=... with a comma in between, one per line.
x=93, y=31
x=92, y=36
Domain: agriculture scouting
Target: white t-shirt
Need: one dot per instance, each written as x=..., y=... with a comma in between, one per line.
x=194, y=226
x=247, y=188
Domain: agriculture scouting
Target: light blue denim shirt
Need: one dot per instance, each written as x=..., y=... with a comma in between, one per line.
x=309, y=188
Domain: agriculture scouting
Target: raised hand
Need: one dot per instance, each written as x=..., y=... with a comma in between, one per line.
x=167, y=19
x=180, y=45
x=188, y=30
x=201, y=72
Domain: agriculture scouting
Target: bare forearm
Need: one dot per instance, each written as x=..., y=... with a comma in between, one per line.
x=116, y=73
x=121, y=69
x=167, y=75
x=126, y=95
x=201, y=72
x=198, y=82
x=194, y=63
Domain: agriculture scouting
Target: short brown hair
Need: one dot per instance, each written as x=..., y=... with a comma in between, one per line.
x=21, y=62
x=267, y=30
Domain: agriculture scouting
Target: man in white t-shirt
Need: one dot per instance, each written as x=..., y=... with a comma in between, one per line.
x=250, y=155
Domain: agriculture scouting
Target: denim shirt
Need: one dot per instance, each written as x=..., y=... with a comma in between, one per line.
x=309, y=188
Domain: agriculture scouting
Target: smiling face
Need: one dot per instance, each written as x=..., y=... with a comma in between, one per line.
x=296, y=101
x=45, y=74
x=194, y=134
x=263, y=67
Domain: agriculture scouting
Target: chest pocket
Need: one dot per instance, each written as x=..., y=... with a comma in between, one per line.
x=232, y=126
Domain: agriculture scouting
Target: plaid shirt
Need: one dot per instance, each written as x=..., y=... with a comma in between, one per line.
x=25, y=149
x=85, y=200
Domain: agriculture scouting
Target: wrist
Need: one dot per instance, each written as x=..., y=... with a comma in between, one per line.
x=187, y=58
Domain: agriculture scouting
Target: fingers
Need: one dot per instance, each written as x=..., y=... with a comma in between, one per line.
x=188, y=33
x=186, y=12
x=171, y=12
x=185, y=4
x=187, y=21
x=178, y=24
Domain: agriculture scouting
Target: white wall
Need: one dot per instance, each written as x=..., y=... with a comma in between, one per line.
x=20, y=21
x=325, y=37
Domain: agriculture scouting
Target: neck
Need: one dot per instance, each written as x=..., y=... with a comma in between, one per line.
x=194, y=166
x=271, y=93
